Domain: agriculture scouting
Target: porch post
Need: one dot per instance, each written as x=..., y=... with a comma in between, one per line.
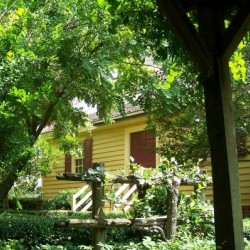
x=221, y=135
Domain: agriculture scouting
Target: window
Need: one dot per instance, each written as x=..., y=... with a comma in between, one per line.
x=79, y=165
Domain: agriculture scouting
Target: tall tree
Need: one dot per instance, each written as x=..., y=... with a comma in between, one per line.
x=175, y=106
x=178, y=113
x=52, y=52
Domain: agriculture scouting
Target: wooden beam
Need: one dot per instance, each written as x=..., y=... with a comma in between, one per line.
x=99, y=234
x=236, y=31
x=221, y=135
x=132, y=179
x=119, y=222
x=187, y=34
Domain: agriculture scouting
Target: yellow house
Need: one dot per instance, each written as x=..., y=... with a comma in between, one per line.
x=113, y=144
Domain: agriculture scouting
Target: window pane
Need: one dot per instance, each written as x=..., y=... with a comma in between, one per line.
x=79, y=165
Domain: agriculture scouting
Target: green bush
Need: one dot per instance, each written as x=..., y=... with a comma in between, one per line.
x=184, y=243
x=25, y=203
x=37, y=229
x=196, y=217
x=121, y=234
x=60, y=247
x=11, y=245
x=62, y=201
x=19, y=231
x=34, y=230
x=246, y=228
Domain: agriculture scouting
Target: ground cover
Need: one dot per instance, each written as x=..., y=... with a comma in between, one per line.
x=35, y=230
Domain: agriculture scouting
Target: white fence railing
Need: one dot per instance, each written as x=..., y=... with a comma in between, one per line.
x=82, y=202
x=124, y=199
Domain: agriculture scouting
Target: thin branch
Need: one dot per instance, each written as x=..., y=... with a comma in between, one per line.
x=7, y=9
x=48, y=113
x=140, y=64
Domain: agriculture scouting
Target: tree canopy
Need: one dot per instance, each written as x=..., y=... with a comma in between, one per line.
x=179, y=117
x=54, y=51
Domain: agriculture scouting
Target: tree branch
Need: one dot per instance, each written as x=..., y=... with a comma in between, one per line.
x=7, y=8
x=48, y=113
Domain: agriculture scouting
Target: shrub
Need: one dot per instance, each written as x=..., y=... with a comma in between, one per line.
x=19, y=231
x=197, y=217
x=62, y=201
x=184, y=243
x=38, y=230
x=11, y=244
x=121, y=234
x=60, y=247
x=25, y=203
x=34, y=230
x=246, y=228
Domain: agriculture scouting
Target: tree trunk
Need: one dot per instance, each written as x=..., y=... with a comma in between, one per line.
x=6, y=185
x=8, y=181
x=5, y=202
x=172, y=206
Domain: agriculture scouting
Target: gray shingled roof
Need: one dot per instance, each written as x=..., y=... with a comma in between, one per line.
x=129, y=111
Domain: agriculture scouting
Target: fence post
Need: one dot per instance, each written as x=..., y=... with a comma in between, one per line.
x=172, y=207
x=98, y=233
x=73, y=203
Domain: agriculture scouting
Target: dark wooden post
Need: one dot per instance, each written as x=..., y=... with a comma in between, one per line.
x=172, y=207
x=98, y=233
x=221, y=134
x=210, y=50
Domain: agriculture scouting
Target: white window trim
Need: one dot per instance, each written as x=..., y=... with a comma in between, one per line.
x=74, y=163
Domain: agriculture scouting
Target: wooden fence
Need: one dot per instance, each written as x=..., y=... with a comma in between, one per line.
x=166, y=225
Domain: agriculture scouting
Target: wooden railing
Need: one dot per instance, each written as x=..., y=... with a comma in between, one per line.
x=126, y=196
x=165, y=224
x=82, y=200
x=85, y=202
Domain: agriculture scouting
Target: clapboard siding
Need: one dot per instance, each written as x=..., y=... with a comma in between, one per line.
x=244, y=176
x=108, y=147
x=244, y=172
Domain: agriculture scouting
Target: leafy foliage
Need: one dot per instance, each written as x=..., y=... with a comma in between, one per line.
x=246, y=228
x=61, y=201
x=54, y=52
x=22, y=224
x=148, y=243
x=197, y=217
x=33, y=230
x=177, y=113
x=194, y=216
x=12, y=244
x=36, y=230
